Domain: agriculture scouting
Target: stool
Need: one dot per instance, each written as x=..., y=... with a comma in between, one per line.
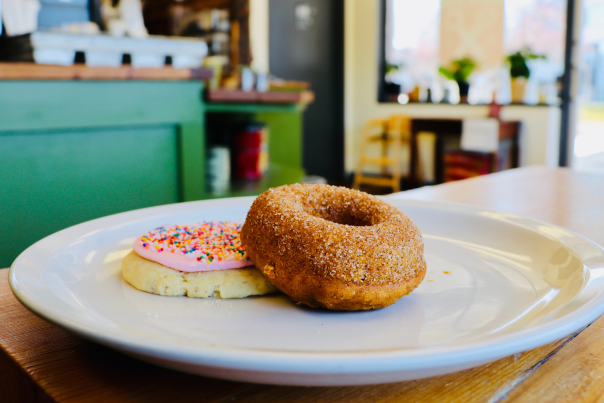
x=394, y=130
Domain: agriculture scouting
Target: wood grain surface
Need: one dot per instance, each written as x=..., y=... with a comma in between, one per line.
x=269, y=97
x=32, y=71
x=40, y=362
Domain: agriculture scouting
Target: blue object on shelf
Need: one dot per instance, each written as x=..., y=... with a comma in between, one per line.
x=55, y=13
x=66, y=3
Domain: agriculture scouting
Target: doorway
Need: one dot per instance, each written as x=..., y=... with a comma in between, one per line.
x=306, y=42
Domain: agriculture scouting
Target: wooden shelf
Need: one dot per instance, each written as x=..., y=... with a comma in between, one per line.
x=270, y=97
x=31, y=71
x=225, y=107
x=395, y=102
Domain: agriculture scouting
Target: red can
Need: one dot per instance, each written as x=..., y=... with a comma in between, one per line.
x=250, y=149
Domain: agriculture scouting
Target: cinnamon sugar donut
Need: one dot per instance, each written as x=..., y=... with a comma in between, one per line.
x=333, y=247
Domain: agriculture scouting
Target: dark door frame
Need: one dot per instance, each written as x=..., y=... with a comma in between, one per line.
x=567, y=82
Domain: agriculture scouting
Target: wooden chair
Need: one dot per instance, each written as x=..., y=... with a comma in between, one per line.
x=394, y=131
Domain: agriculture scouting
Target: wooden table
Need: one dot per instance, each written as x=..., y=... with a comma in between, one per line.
x=40, y=362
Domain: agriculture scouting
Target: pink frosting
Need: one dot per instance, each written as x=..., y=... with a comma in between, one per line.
x=193, y=248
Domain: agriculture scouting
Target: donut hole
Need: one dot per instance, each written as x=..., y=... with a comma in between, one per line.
x=348, y=215
x=348, y=219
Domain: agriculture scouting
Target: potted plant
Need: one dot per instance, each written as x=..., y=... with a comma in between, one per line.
x=459, y=71
x=392, y=87
x=520, y=72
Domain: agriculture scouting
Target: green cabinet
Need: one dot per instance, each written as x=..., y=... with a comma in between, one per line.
x=72, y=151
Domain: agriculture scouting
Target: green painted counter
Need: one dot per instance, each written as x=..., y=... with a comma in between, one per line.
x=72, y=151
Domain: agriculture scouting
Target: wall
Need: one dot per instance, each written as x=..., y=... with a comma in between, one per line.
x=472, y=28
x=259, y=34
x=540, y=137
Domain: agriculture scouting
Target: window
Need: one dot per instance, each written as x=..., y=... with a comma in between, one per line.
x=421, y=37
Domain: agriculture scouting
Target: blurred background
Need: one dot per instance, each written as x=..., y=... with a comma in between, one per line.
x=113, y=105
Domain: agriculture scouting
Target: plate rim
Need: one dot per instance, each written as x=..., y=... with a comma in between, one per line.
x=325, y=362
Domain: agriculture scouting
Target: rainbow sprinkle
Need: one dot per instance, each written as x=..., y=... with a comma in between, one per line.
x=205, y=242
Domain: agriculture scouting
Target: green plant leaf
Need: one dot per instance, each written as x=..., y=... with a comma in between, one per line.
x=448, y=74
x=518, y=65
x=460, y=69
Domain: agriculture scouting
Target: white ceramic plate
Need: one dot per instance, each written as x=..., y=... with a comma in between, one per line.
x=497, y=284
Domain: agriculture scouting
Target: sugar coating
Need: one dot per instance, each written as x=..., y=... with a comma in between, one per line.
x=308, y=233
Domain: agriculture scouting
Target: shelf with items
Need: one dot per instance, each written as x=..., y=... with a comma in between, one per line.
x=447, y=135
x=283, y=124
x=103, y=50
x=222, y=24
x=277, y=175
